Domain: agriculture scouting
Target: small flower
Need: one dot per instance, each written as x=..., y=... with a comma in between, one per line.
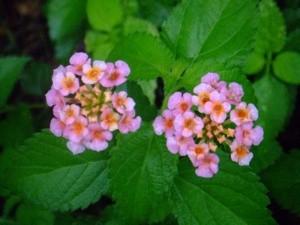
x=76, y=131
x=115, y=74
x=109, y=119
x=203, y=95
x=243, y=113
x=57, y=127
x=97, y=138
x=65, y=83
x=77, y=61
x=53, y=97
x=217, y=107
x=180, y=103
x=248, y=136
x=240, y=154
x=164, y=124
x=129, y=123
x=92, y=75
x=121, y=103
x=188, y=124
x=179, y=144
x=208, y=165
x=211, y=79
x=69, y=113
x=197, y=152
x=75, y=147
x=234, y=93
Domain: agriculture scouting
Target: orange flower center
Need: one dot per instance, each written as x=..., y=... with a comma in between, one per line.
x=68, y=83
x=203, y=98
x=114, y=76
x=243, y=113
x=97, y=134
x=199, y=150
x=168, y=123
x=184, y=106
x=218, y=108
x=241, y=151
x=189, y=123
x=78, y=127
x=93, y=73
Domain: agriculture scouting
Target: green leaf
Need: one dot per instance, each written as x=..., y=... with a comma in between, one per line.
x=99, y=44
x=65, y=18
x=141, y=171
x=271, y=32
x=36, y=79
x=133, y=24
x=146, y=55
x=45, y=172
x=233, y=196
x=293, y=41
x=12, y=134
x=265, y=154
x=292, y=17
x=4, y=221
x=227, y=73
x=32, y=215
x=274, y=102
x=287, y=67
x=10, y=70
x=283, y=181
x=206, y=30
x=103, y=15
x=254, y=64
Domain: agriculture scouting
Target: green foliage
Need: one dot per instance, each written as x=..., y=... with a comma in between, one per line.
x=254, y=64
x=233, y=196
x=104, y=15
x=12, y=134
x=45, y=172
x=66, y=23
x=141, y=171
x=275, y=101
x=32, y=215
x=36, y=79
x=283, y=181
x=146, y=63
x=10, y=70
x=270, y=36
x=287, y=67
x=202, y=30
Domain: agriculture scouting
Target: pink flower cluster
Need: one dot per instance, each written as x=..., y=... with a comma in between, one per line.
x=195, y=125
x=86, y=109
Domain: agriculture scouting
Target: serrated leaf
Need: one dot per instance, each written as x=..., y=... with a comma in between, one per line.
x=265, y=154
x=103, y=15
x=233, y=196
x=254, y=64
x=12, y=134
x=271, y=32
x=227, y=73
x=32, y=215
x=146, y=55
x=202, y=29
x=274, y=101
x=287, y=67
x=141, y=171
x=10, y=70
x=283, y=181
x=65, y=18
x=45, y=172
x=133, y=24
x=36, y=79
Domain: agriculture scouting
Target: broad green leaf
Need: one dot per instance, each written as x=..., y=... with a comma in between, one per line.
x=271, y=32
x=229, y=74
x=103, y=15
x=65, y=18
x=232, y=196
x=141, y=171
x=4, y=221
x=32, y=215
x=209, y=30
x=287, y=67
x=65, y=47
x=10, y=70
x=274, y=102
x=45, y=172
x=265, y=154
x=146, y=55
x=99, y=44
x=283, y=181
x=12, y=134
x=254, y=64
x=133, y=24
x=36, y=79
x=149, y=87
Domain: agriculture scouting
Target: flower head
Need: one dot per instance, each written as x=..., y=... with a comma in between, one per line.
x=86, y=107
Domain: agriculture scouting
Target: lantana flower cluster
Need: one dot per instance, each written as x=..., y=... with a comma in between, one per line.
x=85, y=106
x=196, y=124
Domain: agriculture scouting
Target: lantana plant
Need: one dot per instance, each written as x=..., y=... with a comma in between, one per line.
x=86, y=107
x=196, y=125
